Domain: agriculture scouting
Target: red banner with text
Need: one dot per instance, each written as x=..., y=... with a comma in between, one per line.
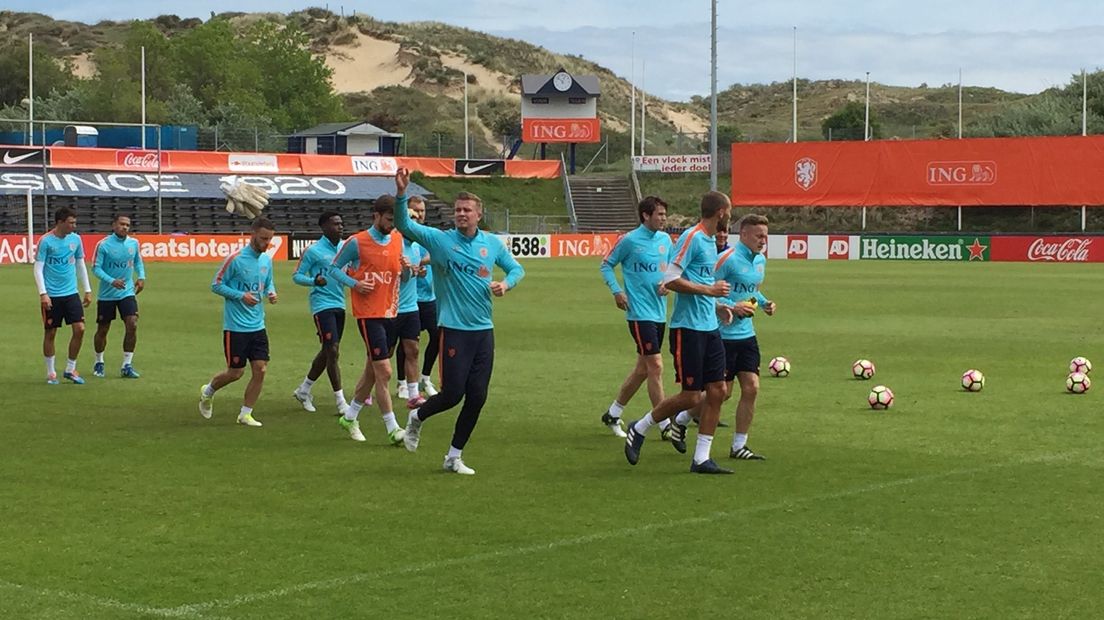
x=1051, y=249
x=153, y=248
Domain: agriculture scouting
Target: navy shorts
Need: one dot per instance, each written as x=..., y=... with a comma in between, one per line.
x=68, y=309
x=699, y=357
x=106, y=309
x=330, y=325
x=380, y=337
x=741, y=356
x=408, y=325
x=427, y=316
x=648, y=336
x=245, y=346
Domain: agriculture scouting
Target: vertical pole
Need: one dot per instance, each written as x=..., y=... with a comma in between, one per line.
x=159, y=209
x=30, y=91
x=45, y=179
x=1084, y=106
x=572, y=151
x=144, y=99
x=795, y=84
x=1084, y=217
x=30, y=226
x=864, y=218
x=467, y=144
x=643, y=103
x=866, y=121
x=960, y=109
x=632, y=98
x=713, y=99
x=960, y=218
x=257, y=140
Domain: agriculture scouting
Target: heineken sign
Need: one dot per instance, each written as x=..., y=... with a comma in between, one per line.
x=942, y=248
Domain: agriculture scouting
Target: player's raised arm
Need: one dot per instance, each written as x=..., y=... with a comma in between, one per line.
x=430, y=238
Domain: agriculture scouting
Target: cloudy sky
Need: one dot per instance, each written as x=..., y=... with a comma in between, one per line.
x=1017, y=45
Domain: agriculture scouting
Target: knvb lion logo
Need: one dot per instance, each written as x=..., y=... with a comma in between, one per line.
x=805, y=173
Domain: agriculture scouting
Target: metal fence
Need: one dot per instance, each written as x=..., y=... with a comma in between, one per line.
x=501, y=221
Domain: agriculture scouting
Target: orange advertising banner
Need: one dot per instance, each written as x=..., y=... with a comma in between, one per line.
x=967, y=172
x=164, y=248
x=560, y=130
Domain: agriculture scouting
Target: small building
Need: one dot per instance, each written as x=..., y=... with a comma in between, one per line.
x=348, y=138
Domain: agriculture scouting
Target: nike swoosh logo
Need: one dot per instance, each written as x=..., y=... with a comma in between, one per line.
x=9, y=160
x=469, y=169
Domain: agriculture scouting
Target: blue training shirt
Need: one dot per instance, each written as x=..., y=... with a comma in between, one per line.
x=696, y=254
x=316, y=261
x=408, y=284
x=643, y=256
x=244, y=271
x=462, y=270
x=59, y=256
x=425, y=283
x=743, y=269
x=117, y=258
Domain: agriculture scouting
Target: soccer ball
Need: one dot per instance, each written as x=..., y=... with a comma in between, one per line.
x=1081, y=365
x=1078, y=382
x=973, y=380
x=779, y=367
x=880, y=397
x=862, y=369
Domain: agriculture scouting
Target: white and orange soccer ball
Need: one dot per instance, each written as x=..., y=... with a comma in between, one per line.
x=1078, y=382
x=973, y=380
x=862, y=369
x=880, y=397
x=779, y=367
x=1081, y=365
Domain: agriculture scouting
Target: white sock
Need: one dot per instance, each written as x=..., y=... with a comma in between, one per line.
x=453, y=453
x=354, y=410
x=70, y=365
x=389, y=421
x=50, y=370
x=245, y=411
x=643, y=424
x=615, y=409
x=305, y=386
x=128, y=358
x=99, y=358
x=339, y=396
x=739, y=441
x=413, y=389
x=701, y=452
x=684, y=418
x=208, y=391
x=426, y=379
x=663, y=424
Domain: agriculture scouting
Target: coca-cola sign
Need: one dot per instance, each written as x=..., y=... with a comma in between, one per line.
x=1048, y=249
x=140, y=160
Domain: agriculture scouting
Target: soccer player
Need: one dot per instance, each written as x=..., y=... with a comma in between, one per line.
x=59, y=264
x=427, y=314
x=695, y=339
x=743, y=267
x=408, y=325
x=376, y=259
x=463, y=262
x=244, y=280
x=327, y=304
x=643, y=255
x=117, y=260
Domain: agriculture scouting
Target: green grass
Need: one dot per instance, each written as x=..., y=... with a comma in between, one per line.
x=119, y=501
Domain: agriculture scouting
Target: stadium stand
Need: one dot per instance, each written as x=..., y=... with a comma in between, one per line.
x=604, y=203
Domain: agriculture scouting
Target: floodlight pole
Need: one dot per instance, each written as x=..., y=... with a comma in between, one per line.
x=713, y=100
x=643, y=103
x=467, y=141
x=1084, y=129
x=143, y=97
x=866, y=120
x=795, y=84
x=30, y=90
x=632, y=98
x=960, y=103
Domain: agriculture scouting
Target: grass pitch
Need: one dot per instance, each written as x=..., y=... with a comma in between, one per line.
x=119, y=501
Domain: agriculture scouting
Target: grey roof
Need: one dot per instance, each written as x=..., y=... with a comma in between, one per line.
x=531, y=84
x=327, y=129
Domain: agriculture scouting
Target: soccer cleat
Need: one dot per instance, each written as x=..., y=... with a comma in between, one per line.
x=404, y=391
x=708, y=466
x=51, y=379
x=128, y=372
x=353, y=426
x=745, y=454
x=413, y=432
x=304, y=399
x=396, y=437
x=428, y=387
x=74, y=377
x=457, y=466
x=415, y=402
x=206, y=407
x=676, y=434
x=614, y=424
x=634, y=442
x=248, y=420
x=98, y=369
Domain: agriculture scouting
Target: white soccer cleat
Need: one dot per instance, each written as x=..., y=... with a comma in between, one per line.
x=397, y=436
x=305, y=399
x=457, y=466
x=248, y=420
x=413, y=432
x=428, y=387
x=404, y=391
x=206, y=406
x=353, y=426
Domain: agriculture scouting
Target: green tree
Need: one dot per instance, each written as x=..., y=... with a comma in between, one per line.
x=296, y=84
x=848, y=123
x=49, y=75
x=726, y=135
